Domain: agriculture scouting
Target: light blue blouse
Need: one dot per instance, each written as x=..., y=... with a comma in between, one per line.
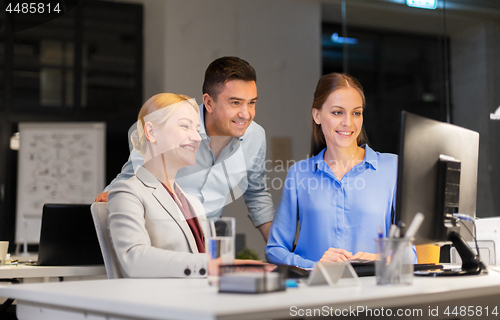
x=342, y=214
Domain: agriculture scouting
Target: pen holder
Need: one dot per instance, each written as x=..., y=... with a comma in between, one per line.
x=395, y=264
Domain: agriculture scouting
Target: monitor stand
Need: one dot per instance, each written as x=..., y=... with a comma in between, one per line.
x=471, y=264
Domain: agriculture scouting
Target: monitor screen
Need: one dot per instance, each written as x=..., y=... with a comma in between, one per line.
x=420, y=186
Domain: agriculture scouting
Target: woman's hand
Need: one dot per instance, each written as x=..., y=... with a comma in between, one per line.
x=213, y=265
x=336, y=255
x=364, y=256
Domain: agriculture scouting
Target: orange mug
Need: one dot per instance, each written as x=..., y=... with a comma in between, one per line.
x=428, y=253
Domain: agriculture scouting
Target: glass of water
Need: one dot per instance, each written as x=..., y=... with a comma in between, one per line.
x=220, y=246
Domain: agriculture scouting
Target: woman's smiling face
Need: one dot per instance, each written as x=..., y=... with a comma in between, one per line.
x=341, y=118
x=178, y=138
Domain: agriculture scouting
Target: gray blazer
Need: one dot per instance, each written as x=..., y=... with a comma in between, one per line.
x=149, y=233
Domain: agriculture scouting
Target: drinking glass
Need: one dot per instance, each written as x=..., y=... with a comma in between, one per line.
x=220, y=246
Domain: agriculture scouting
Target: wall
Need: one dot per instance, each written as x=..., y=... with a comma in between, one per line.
x=279, y=38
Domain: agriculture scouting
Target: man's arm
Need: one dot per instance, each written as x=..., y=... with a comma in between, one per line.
x=257, y=197
x=134, y=161
x=264, y=230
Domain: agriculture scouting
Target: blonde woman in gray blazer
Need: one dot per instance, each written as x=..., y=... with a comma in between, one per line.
x=148, y=226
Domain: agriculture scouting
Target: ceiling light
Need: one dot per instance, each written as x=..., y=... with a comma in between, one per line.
x=424, y=4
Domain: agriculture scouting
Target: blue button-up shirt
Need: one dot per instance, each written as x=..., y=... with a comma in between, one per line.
x=342, y=214
x=237, y=171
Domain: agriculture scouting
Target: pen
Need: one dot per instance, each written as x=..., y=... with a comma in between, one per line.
x=401, y=225
x=392, y=231
x=414, y=225
x=386, y=247
x=380, y=233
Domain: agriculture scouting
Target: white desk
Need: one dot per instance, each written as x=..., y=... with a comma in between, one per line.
x=26, y=271
x=194, y=299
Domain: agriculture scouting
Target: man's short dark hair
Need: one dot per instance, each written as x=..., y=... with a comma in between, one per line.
x=225, y=69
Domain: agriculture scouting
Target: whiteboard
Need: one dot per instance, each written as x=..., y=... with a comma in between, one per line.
x=58, y=162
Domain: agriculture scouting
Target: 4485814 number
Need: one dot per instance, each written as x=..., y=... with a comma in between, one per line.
x=471, y=311
x=32, y=7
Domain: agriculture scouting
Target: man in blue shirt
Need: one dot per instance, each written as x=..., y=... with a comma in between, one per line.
x=230, y=160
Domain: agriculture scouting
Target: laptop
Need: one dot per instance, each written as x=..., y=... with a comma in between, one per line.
x=68, y=236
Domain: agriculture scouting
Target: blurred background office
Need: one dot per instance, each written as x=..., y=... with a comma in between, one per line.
x=102, y=59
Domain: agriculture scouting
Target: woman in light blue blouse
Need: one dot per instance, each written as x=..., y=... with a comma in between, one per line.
x=344, y=195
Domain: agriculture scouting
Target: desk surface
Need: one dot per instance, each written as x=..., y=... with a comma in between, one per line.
x=195, y=299
x=26, y=271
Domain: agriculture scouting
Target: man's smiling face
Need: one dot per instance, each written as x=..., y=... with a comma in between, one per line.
x=234, y=109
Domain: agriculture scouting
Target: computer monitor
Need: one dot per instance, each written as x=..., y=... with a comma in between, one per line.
x=68, y=236
x=437, y=176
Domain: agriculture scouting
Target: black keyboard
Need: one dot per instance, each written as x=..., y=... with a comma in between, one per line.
x=363, y=268
x=367, y=268
x=297, y=273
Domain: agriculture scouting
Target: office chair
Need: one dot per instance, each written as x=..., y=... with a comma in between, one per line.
x=99, y=212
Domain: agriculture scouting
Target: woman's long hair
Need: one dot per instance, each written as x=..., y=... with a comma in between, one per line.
x=326, y=85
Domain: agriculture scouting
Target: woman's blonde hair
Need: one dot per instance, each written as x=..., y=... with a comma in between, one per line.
x=157, y=110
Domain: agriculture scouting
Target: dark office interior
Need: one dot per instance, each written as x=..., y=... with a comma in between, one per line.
x=88, y=65
x=98, y=61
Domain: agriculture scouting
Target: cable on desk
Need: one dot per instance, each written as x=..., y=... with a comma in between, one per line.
x=460, y=216
x=463, y=216
x=457, y=218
